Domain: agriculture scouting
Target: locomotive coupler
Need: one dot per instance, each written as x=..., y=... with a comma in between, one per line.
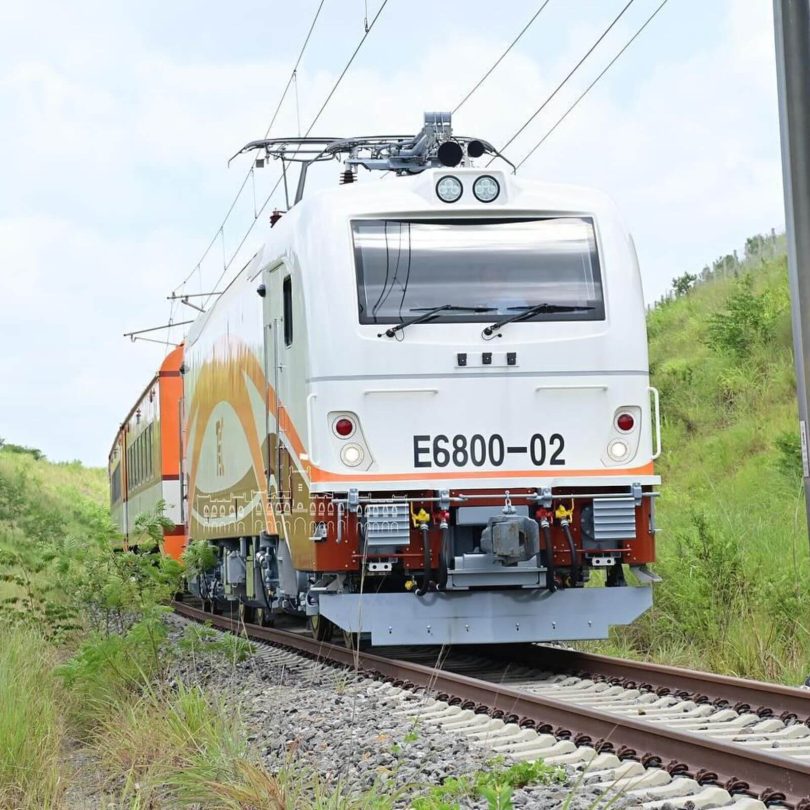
x=512, y=538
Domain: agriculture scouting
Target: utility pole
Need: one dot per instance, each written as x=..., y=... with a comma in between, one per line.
x=792, y=30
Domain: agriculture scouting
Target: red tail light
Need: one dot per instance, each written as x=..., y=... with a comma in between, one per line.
x=625, y=422
x=344, y=427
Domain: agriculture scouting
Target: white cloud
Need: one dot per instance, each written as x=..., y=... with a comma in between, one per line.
x=116, y=176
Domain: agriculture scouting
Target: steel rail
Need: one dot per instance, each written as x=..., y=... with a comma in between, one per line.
x=758, y=697
x=777, y=780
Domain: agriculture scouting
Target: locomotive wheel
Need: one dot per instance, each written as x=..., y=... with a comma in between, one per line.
x=320, y=627
x=247, y=614
x=263, y=617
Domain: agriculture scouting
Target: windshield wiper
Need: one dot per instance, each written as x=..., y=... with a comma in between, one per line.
x=430, y=313
x=529, y=311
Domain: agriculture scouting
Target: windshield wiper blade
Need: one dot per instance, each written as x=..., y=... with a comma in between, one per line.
x=428, y=314
x=529, y=311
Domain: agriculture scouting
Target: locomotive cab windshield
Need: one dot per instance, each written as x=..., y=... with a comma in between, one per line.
x=532, y=269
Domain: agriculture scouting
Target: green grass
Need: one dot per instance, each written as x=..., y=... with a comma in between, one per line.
x=32, y=725
x=733, y=547
x=40, y=500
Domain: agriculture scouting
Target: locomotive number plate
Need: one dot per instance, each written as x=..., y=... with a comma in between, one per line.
x=491, y=451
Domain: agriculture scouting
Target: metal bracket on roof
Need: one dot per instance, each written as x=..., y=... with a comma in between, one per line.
x=433, y=146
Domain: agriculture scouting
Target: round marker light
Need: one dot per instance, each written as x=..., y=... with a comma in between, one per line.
x=351, y=455
x=486, y=188
x=344, y=427
x=449, y=188
x=618, y=450
x=625, y=422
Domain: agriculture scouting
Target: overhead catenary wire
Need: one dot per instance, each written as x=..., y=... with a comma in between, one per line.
x=247, y=177
x=501, y=57
x=314, y=121
x=568, y=76
x=590, y=86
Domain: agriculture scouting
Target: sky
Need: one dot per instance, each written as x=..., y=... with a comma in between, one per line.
x=118, y=120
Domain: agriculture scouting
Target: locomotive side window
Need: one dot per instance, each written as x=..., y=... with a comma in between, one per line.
x=478, y=269
x=286, y=291
x=115, y=485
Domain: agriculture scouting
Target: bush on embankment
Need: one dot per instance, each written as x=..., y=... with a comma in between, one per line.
x=733, y=546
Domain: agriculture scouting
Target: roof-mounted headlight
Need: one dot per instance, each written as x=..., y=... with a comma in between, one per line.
x=449, y=188
x=486, y=188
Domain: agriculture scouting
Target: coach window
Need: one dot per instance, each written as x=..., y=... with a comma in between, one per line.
x=286, y=291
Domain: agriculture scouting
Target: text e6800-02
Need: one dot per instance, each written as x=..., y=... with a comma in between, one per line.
x=440, y=450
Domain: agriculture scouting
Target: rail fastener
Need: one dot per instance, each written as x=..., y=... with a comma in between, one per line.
x=784, y=781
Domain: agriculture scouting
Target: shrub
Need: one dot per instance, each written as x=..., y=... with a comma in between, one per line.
x=199, y=556
x=495, y=786
x=789, y=456
x=109, y=669
x=149, y=527
x=199, y=640
x=744, y=324
x=37, y=455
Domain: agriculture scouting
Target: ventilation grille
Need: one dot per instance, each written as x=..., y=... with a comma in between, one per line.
x=614, y=519
x=388, y=525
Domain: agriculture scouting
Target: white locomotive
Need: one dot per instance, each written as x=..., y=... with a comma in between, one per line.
x=434, y=420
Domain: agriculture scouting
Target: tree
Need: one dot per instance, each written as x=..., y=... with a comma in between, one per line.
x=682, y=284
x=754, y=246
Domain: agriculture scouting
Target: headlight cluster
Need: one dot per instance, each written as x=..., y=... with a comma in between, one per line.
x=351, y=453
x=624, y=436
x=485, y=188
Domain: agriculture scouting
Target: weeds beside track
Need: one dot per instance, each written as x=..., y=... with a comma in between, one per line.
x=776, y=780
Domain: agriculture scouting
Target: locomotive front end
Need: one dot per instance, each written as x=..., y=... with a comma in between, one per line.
x=480, y=429
x=434, y=423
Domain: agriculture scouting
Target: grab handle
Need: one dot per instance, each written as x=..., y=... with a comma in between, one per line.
x=310, y=429
x=657, y=410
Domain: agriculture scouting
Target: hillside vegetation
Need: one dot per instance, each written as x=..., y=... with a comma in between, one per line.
x=733, y=546
x=91, y=716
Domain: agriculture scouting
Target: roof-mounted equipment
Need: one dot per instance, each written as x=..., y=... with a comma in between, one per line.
x=434, y=146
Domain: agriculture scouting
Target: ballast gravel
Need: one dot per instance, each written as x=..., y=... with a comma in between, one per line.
x=354, y=732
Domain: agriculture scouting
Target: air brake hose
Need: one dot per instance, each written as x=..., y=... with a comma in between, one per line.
x=573, y=550
x=427, y=561
x=444, y=557
x=551, y=583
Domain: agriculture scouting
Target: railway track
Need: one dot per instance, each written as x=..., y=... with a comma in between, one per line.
x=700, y=740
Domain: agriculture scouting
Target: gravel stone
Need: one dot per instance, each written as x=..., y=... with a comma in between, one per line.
x=349, y=730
